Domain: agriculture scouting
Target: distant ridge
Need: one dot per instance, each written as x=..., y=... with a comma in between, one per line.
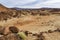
x=8, y=13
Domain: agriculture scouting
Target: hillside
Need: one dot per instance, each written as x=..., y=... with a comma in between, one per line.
x=8, y=13
x=41, y=24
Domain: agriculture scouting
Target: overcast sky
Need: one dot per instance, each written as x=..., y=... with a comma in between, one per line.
x=31, y=3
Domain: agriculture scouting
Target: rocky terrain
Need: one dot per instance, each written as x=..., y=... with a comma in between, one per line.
x=37, y=24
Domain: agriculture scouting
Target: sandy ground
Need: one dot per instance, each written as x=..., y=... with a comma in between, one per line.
x=35, y=24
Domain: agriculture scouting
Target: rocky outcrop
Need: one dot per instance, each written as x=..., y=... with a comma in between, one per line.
x=8, y=13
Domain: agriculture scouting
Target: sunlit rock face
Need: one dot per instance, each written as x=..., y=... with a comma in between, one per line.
x=3, y=8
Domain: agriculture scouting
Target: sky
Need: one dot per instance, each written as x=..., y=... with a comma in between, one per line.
x=31, y=3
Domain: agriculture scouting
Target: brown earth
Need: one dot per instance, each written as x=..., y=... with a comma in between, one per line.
x=37, y=22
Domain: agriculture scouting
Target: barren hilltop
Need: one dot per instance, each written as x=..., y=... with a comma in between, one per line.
x=41, y=24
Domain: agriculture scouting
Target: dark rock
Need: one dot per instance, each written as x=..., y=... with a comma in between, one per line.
x=34, y=34
x=40, y=37
x=26, y=32
x=40, y=34
x=13, y=29
x=49, y=31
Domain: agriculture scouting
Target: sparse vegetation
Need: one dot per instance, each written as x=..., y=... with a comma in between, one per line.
x=36, y=24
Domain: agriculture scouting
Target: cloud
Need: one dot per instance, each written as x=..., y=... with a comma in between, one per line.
x=51, y=3
x=31, y=3
x=12, y=3
x=20, y=2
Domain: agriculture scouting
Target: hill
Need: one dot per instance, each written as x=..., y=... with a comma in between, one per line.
x=41, y=24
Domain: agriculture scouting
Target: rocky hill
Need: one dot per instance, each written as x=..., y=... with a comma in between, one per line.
x=8, y=13
x=37, y=24
x=3, y=8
